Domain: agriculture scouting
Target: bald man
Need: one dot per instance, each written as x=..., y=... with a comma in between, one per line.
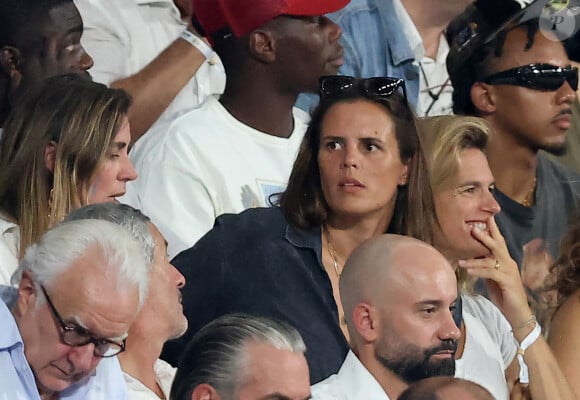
x=398, y=295
x=445, y=387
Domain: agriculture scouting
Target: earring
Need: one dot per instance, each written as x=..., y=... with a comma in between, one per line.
x=50, y=201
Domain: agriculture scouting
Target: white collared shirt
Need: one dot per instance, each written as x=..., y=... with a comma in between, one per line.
x=432, y=72
x=352, y=382
x=138, y=391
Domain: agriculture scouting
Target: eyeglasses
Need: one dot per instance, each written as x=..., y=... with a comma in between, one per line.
x=334, y=85
x=77, y=336
x=544, y=77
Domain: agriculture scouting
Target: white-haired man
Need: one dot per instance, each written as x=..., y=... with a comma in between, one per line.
x=79, y=289
x=161, y=319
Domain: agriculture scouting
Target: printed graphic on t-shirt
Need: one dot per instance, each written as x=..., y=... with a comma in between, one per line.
x=269, y=190
x=265, y=198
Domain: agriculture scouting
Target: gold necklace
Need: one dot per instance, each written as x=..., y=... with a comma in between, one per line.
x=528, y=201
x=333, y=254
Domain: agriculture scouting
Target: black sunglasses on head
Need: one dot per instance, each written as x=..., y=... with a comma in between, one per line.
x=544, y=77
x=334, y=85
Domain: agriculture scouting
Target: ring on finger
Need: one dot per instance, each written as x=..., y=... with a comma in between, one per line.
x=496, y=265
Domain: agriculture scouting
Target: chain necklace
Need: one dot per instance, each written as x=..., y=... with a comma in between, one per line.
x=528, y=201
x=331, y=250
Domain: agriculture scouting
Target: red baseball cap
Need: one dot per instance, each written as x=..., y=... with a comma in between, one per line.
x=222, y=18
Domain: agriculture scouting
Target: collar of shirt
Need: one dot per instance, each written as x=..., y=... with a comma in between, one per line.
x=353, y=381
x=11, y=335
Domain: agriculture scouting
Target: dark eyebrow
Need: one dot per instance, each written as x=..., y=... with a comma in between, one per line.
x=279, y=396
x=118, y=145
x=75, y=29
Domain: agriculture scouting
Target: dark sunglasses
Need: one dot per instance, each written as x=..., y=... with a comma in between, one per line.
x=334, y=85
x=545, y=77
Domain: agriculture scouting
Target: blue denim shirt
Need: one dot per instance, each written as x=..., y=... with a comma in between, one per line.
x=17, y=380
x=374, y=45
x=258, y=264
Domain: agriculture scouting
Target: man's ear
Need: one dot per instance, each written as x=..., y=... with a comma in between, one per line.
x=27, y=294
x=365, y=321
x=482, y=97
x=205, y=392
x=262, y=44
x=50, y=155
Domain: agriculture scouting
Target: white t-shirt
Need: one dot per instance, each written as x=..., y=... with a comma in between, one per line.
x=490, y=346
x=124, y=36
x=138, y=391
x=208, y=163
x=435, y=89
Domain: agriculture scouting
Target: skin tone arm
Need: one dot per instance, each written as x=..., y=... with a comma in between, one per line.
x=565, y=341
x=155, y=86
x=506, y=291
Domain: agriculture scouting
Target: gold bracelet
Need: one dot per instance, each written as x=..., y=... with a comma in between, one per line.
x=531, y=320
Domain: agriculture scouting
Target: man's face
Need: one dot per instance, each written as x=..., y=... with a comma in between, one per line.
x=418, y=338
x=84, y=297
x=57, y=50
x=307, y=48
x=162, y=311
x=535, y=119
x=273, y=374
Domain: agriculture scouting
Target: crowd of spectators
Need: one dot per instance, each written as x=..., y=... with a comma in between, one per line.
x=289, y=199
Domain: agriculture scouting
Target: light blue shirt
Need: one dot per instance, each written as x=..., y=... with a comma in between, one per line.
x=362, y=22
x=17, y=381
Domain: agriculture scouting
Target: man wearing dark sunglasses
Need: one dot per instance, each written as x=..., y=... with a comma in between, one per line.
x=78, y=291
x=517, y=77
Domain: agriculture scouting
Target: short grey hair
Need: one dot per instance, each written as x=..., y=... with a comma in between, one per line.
x=121, y=214
x=216, y=354
x=58, y=249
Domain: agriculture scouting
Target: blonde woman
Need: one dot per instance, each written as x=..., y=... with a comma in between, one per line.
x=63, y=146
x=469, y=238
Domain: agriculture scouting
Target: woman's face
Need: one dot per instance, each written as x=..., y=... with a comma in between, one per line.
x=114, y=171
x=359, y=161
x=465, y=204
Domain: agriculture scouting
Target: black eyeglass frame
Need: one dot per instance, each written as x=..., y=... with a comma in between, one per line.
x=82, y=331
x=368, y=86
x=524, y=76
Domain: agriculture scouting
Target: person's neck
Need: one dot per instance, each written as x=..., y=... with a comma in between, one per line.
x=391, y=383
x=431, y=21
x=348, y=233
x=512, y=163
x=260, y=107
x=139, y=358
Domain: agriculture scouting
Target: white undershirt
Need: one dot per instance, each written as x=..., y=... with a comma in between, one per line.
x=433, y=75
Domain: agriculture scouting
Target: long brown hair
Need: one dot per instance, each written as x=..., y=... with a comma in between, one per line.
x=303, y=202
x=82, y=118
x=566, y=269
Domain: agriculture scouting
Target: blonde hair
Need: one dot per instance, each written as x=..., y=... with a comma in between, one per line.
x=82, y=118
x=444, y=138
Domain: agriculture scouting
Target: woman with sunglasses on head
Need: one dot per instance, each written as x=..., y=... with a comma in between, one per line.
x=469, y=238
x=63, y=146
x=360, y=172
